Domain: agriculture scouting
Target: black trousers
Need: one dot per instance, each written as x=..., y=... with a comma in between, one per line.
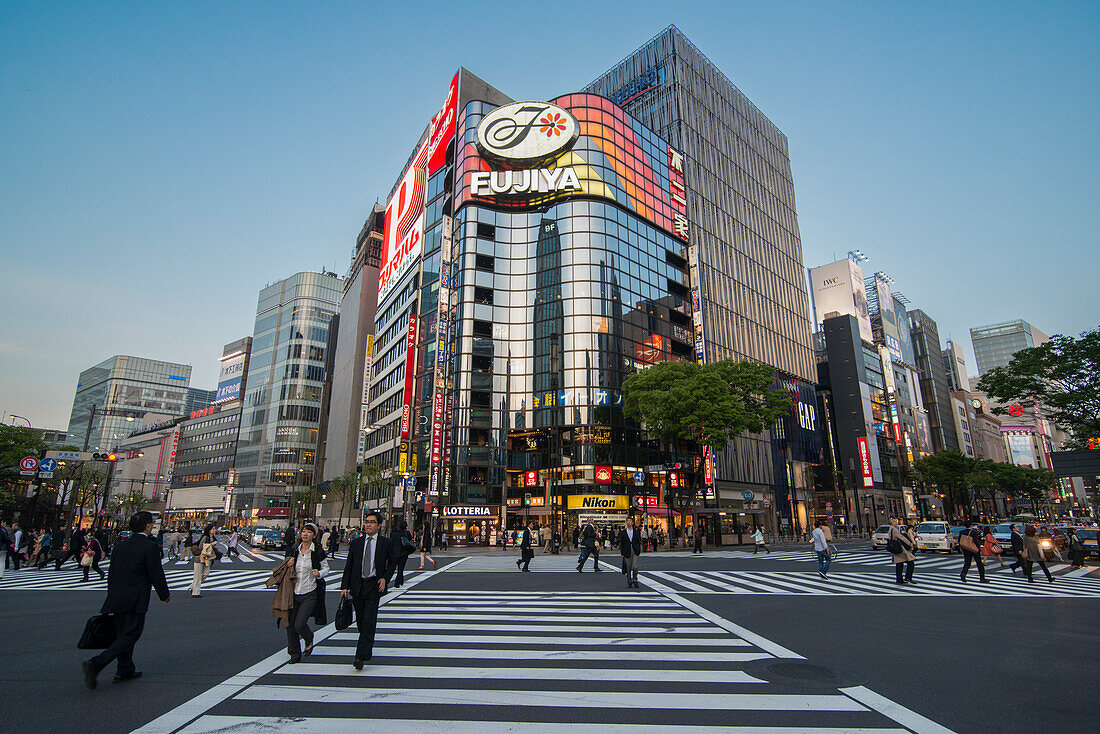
x=128, y=628
x=908, y=570
x=594, y=551
x=298, y=629
x=525, y=556
x=1028, y=565
x=974, y=558
x=401, y=561
x=698, y=544
x=63, y=557
x=366, y=616
x=95, y=565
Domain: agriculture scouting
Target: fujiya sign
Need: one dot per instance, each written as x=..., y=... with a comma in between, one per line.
x=526, y=132
x=538, y=181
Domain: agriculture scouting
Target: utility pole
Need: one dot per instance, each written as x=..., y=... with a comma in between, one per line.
x=80, y=477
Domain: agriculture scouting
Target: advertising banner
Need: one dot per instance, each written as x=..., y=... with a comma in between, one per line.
x=865, y=461
x=410, y=369
x=442, y=130
x=597, y=502
x=229, y=379
x=838, y=287
x=889, y=318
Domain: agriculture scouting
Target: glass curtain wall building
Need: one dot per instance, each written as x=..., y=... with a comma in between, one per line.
x=740, y=202
x=124, y=390
x=276, y=449
x=995, y=344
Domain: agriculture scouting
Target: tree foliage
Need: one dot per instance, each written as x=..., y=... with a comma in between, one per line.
x=1062, y=377
x=343, y=489
x=964, y=479
x=706, y=404
x=17, y=442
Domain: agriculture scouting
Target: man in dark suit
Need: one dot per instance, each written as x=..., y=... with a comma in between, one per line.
x=590, y=545
x=370, y=565
x=526, y=553
x=135, y=568
x=630, y=546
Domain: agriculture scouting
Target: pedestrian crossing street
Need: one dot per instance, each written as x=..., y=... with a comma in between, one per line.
x=483, y=662
x=865, y=583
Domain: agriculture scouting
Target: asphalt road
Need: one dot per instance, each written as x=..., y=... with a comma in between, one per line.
x=996, y=659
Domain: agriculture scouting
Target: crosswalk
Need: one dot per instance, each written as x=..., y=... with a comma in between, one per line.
x=525, y=662
x=505, y=561
x=867, y=583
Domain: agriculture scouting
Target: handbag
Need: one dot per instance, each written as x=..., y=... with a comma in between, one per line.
x=893, y=545
x=407, y=544
x=997, y=549
x=87, y=558
x=967, y=543
x=99, y=633
x=344, y=614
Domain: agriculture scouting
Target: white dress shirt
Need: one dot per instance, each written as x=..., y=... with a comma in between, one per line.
x=303, y=570
x=370, y=546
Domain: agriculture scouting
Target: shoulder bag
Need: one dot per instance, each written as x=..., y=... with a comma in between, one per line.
x=966, y=542
x=344, y=614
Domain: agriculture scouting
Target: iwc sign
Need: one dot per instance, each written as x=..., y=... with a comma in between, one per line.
x=526, y=133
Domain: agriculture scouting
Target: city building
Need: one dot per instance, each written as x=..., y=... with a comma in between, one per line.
x=525, y=276
x=345, y=437
x=954, y=364
x=995, y=344
x=125, y=390
x=277, y=443
x=739, y=204
x=197, y=399
x=965, y=418
x=202, y=477
x=935, y=390
x=146, y=461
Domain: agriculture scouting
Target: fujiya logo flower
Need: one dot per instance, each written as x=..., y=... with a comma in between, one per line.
x=552, y=124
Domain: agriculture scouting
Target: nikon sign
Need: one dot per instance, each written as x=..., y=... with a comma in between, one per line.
x=597, y=502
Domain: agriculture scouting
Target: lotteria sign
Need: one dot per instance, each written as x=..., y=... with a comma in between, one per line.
x=468, y=511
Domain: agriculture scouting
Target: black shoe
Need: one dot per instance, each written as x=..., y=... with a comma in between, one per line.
x=518, y=563
x=357, y=663
x=307, y=651
x=294, y=658
x=963, y=579
x=89, y=674
x=580, y=570
x=527, y=570
x=120, y=678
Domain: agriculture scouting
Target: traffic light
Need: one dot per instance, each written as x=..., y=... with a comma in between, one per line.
x=674, y=465
x=106, y=456
x=527, y=499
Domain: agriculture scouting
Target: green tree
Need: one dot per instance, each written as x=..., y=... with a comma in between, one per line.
x=343, y=489
x=1022, y=481
x=705, y=404
x=949, y=471
x=1062, y=377
x=16, y=443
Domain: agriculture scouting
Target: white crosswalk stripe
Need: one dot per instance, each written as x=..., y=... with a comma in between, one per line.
x=483, y=677
x=863, y=584
x=505, y=562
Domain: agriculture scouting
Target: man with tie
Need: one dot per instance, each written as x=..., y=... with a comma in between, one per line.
x=630, y=546
x=368, y=570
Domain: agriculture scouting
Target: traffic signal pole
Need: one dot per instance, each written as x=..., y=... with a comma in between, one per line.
x=79, y=479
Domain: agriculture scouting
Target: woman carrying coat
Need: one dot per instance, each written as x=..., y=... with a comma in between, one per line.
x=402, y=551
x=204, y=559
x=1033, y=553
x=93, y=549
x=904, y=561
x=758, y=542
x=310, y=569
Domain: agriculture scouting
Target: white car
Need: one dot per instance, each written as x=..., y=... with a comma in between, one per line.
x=880, y=536
x=935, y=535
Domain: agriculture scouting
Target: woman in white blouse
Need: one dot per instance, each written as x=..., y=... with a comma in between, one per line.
x=310, y=565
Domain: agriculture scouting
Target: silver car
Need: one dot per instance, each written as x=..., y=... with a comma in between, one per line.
x=880, y=536
x=936, y=535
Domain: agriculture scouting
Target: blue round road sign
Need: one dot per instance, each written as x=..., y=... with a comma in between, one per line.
x=748, y=495
x=639, y=477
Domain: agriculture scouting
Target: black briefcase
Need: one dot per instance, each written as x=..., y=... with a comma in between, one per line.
x=344, y=614
x=99, y=633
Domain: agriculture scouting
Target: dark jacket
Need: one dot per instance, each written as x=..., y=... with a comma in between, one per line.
x=628, y=545
x=384, y=563
x=1017, y=542
x=76, y=542
x=588, y=536
x=320, y=614
x=425, y=541
x=399, y=549
x=135, y=568
x=289, y=539
x=526, y=541
x=975, y=535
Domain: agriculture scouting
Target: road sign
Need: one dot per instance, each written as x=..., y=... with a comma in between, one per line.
x=767, y=502
x=47, y=464
x=45, y=474
x=639, y=478
x=655, y=467
x=411, y=481
x=70, y=455
x=28, y=465
x=748, y=495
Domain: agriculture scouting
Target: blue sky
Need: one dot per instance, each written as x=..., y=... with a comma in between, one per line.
x=160, y=163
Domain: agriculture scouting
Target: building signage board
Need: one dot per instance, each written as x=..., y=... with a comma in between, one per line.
x=452, y=511
x=442, y=129
x=403, y=234
x=604, y=475
x=647, y=81
x=229, y=379
x=526, y=132
x=537, y=181
x=410, y=369
x=865, y=461
x=838, y=287
x=597, y=502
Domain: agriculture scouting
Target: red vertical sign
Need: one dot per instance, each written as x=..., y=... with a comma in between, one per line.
x=865, y=461
x=410, y=368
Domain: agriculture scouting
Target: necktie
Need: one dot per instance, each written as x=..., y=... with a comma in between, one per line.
x=368, y=567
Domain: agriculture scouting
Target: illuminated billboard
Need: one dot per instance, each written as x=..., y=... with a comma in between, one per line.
x=532, y=154
x=838, y=287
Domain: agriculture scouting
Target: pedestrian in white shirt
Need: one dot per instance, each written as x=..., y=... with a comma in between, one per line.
x=821, y=547
x=310, y=567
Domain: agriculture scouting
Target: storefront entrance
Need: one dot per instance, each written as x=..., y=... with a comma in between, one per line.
x=468, y=525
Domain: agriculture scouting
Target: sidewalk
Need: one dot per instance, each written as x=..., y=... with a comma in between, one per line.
x=481, y=549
